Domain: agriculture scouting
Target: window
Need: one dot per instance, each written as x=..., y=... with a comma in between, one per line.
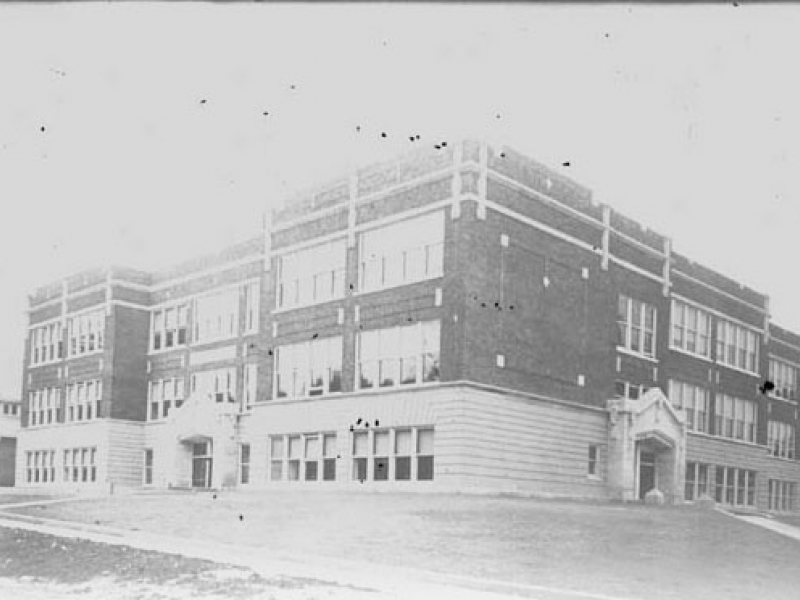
x=218, y=385
x=735, y=418
x=591, y=467
x=697, y=483
x=380, y=452
x=626, y=389
x=403, y=449
x=311, y=368
x=735, y=487
x=40, y=466
x=396, y=356
x=244, y=463
x=401, y=253
x=164, y=395
x=83, y=400
x=784, y=377
x=295, y=455
x=252, y=298
x=637, y=326
x=44, y=406
x=691, y=329
x=169, y=327
x=47, y=344
x=276, y=458
x=80, y=465
x=250, y=384
x=329, y=457
x=311, y=275
x=782, y=495
x=85, y=333
x=425, y=454
x=780, y=439
x=695, y=401
x=360, y=451
x=148, y=466
x=737, y=346
x=216, y=316
x=401, y=454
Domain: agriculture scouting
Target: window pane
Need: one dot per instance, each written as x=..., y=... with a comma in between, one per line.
x=425, y=441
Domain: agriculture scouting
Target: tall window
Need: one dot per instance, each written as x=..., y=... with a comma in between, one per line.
x=148, y=466
x=737, y=346
x=735, y=487
x=85, y=333
x=170, y=326
x=401, y=253
x=637, y=326
x=250, y=384
x=780, y=439
x=691, y=329
x=40, y=466
x=80, y=465
x=782, y=495
x=396, y=356
x=784, y=378
x=164, y=395
x=244, y=463
x=44, y=406
x=218, y=385
x=310, y=368
x=252, y=299
x=216, y=316
x=47, y=344
x=83, y=400
x=694, y=401
x=697, y=482
x=311, y=275
x=735, y=418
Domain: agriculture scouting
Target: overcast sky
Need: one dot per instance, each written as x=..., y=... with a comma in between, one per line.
x=145, y=134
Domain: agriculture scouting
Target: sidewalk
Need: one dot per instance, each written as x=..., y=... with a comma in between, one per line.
x=773, y=525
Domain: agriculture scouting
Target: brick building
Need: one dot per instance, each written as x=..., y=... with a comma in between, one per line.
x=9, y=429
x=457, y=319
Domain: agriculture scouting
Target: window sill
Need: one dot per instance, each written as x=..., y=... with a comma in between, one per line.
x=738, y=369
x=623, y=350
x=49, y=363
x=396, y=285
x=779, y=399
x=692, y=354
x=207, y=342
x=166, y=350
x=727, y=439
x=287, y=309
x=85, y=355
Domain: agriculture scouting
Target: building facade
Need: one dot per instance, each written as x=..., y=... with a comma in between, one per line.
x=458, y=319
x=9, y=429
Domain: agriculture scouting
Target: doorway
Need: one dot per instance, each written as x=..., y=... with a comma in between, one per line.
x=201, y=465
x=647, y=472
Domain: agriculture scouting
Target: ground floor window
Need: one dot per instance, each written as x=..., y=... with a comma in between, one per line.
x=148, y=466
x=244, y=463
x=696, y=481
x=80, y=465
x=40, y=466
x=735, y=487
x=782, y=495
x=400, y=454
x=303, y=457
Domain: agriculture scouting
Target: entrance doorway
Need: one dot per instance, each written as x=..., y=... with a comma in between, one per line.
x=201, y=465
x=647, y=472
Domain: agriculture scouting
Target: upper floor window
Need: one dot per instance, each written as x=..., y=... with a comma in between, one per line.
x=310, y=368
x=311, y=275
x=252, y=297
x=404, y=252
x=637, y=326
x=626, y=389
x=784, y=377
x=46, y=344
x=44, y=406
x=780, y=439
x=735, y=418
x=250, y=384
x=694, y=401
x=691, y=329
x=83, y=400
x=398, y=355
x=85, y=332
x=164, y=394
x=218, y=385
x=216, y=316
x=169, y=327
x=737, y=346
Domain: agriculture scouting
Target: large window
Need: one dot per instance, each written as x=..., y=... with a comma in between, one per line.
x=637, y=326
x=737, y=346
x=782, y=495
x=396, y=356
x=311, y=275
x=691, y=329
x=218, y=385
x=80, y=465
x=400, y=454
x=697, y=481
x=784, y=377
x=780, y=439
x=252, y=299
x=164, y=394
x=303, y=457
x=735, y=418
x=169, y=327
x=401, y=253
x=694, y=401
x=310, y=368
x=40, y=466
x=83, y=400
x=85, y=333
x=44, y=406
x=46, y=344
x=735, y=487
x=216, y=316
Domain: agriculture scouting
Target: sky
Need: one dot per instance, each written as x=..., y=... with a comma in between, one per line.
x=144, y=134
